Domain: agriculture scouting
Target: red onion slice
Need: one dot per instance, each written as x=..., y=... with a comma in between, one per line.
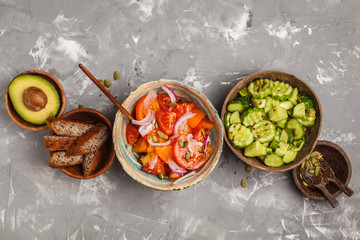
x=206, y=139
x=185, y=177
x=145, y=129
x=170, y=92
x=181, y=120
x=147, y=120
x=176, y=168
x=153, y=162
x=150, y=141
x=149, y=99
x=189, y=138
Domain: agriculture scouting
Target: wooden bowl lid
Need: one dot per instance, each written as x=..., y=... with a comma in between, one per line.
x=340, y=164
x=17, y=118
x=311, y=135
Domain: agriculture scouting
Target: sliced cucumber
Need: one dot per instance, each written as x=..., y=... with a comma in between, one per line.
x=264, y=131
x=258, y=103
x=281, y=91
x=309, y=119
x=281, y=123
x=235, y=106
x=274, y=144
x=255, y=149
x=289, y=156
x=227, y=120
x=297, y=145
x=270, y=103
x=244, y=92
x=296, y=127
x=281, y=149
x=252, y=116
x=287, y=136
x=240, y=136
x=235, y=117
x=277, y=114
x=260, y=88
x=299, y=110
x=273, y=160
x=303, y=97
x=294, y=96
x=287, y=104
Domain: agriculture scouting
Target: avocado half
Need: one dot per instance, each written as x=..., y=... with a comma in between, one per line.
x=34, y=98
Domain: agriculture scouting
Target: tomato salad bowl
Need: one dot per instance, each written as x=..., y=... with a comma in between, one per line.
x=181, y=122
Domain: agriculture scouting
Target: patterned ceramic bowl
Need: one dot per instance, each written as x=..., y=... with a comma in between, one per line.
x=129, y=160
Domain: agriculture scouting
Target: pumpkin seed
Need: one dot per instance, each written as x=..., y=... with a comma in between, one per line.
x=181, y=143
x=312, y=171
x=81, y=106
x=187, y=156
x=305, y=184
x=102, y=82
x=155, y=139
x=161, y=176
x=107, y=83
x=201, y=150
x=317, y=164
x=303, y=165
x=186, y=143
x=172, y=104
x=243, y=183
x=248, y=168
x=307, y=165
x=116, y=75
x=317, y=170
x=163, y=135
x=203, y=132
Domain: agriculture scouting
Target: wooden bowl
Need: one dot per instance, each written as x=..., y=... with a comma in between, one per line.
x=17, y=118
x=92, y=116
x=129, y=160
x=311, y=135
x=340, y=164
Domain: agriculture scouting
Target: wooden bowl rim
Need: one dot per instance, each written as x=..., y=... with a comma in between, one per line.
x=111, y=157
x=215, y=155
x=238, y=152
x=338, y=149
x=17, y=118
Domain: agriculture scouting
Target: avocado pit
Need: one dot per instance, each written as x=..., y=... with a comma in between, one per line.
x=34, y=99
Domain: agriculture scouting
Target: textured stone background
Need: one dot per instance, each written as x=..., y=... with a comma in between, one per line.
x=208, y=44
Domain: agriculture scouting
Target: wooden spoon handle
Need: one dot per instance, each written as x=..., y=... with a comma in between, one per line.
x=345, y=189
x=106, y=92
x=328, y=196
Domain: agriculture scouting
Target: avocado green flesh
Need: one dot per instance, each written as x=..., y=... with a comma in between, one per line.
x=16, y=90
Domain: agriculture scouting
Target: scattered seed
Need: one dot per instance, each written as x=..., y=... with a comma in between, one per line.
x=161, y=176
x=181, y=143
x=317, y=170
x=163, y=135
x=100, y=94
x=172, y=104
x=187, y=156
x=155, y=139
x=248, y=168
x=116, y=75
x=312, y=171
x=307, y=165
x=235, y=172
x=107, y=83
x=102, y=82
x=81, y=106
x=243, y=183
x=317, y=164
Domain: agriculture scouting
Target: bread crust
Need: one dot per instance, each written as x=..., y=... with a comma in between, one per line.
x=60, y=160
x=66, y=127
x=58, y=143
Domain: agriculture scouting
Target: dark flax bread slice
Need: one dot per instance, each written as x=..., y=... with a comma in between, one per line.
x=90, y=141
x=70, y=128
x=91, y=161
x=59, y=160
x=58, y=143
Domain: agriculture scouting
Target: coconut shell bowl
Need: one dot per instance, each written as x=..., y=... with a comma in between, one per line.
x=18, y=119
x=339, y=163
x=107, y=149
x=311, y=134
x=129, y=160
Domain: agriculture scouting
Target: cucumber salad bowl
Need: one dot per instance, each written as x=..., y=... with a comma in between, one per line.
x=272, y=120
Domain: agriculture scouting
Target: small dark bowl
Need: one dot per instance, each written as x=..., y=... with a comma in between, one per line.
x=311, y=135
x=17, y=118
x=340, y=164
x=92, y=116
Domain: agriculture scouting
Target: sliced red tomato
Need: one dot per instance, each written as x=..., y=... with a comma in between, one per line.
x=180, y=108
x=159, y=167
x=197, y=133
x=164, y=100
x=141, y=112
x=166, y=121
x=197, y=159
x=132, y=134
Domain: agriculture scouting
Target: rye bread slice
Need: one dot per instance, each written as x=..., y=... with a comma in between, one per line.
x=91, y=161
x=65, y=127
x=90, y=141
x=58, y=143
x=60, y=160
